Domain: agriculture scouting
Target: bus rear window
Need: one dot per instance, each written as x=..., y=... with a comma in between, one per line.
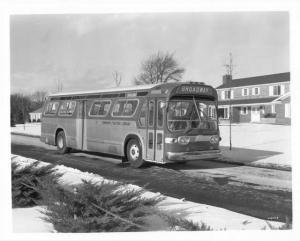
x=124, y=108
x=100, y=108
x=67, y=108
x=51, y=108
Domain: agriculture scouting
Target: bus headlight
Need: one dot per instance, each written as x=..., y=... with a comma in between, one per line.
x=214, y=139
x=170, y=140
x=184, y=140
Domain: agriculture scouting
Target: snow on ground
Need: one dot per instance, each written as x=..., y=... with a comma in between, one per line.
x=29, y=220
x=258, y=144
x=28, y=129
x=215, y=217
x=264, y=145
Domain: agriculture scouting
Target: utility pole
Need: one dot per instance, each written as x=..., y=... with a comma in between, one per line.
x=229, y=71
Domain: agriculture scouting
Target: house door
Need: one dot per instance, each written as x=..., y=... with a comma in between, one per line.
x=255, y=114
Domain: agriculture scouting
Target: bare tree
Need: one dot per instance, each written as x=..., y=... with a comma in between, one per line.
x=39, y=96
x=117, y=77
x=159, y=68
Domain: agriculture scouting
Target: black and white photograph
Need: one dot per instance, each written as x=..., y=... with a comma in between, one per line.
x=147, y=122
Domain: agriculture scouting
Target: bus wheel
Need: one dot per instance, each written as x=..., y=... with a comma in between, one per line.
x=134, y=154
x=61, y=143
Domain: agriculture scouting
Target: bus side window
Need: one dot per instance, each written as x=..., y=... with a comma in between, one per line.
x=142, y=119
x=150, y=144
x=159, y=141
x=159, y=114
x=67, y=108
x=52, y=108
x=100, y=108
x=125, y=108
x=151, y=113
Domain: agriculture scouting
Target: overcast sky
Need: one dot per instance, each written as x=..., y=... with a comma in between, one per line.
x=82, y=51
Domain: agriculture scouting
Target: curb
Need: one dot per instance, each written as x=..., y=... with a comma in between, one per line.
x=24, y=134
x=266, y=166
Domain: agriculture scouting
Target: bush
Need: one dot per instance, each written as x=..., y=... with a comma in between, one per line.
x=106, y=207
x=98, y=208
x=90, y=207
x=29, y=181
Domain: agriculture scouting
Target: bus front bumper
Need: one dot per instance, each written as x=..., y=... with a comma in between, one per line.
x=194, y=156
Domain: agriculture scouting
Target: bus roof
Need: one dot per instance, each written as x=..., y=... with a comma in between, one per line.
x=175, y=88
x=116, y=89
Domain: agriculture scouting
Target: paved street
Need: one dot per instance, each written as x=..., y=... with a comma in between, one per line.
x=259, y=192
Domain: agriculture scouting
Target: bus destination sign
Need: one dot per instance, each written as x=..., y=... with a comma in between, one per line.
x=192, y=89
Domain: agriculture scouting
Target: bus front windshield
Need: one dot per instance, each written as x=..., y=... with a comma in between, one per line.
x=187, y=115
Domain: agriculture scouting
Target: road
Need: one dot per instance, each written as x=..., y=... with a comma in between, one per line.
x=259, y=192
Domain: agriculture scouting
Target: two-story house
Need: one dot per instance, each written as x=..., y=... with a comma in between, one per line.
x=263, y=99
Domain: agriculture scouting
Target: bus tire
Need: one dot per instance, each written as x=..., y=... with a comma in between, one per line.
x=61, y=143
x=134, y=153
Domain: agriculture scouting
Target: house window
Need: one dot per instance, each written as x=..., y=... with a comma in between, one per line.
x=227, y=94
x=244, y=110
x=276, y=90
x=255, y=91
x=223, y=113
x=245, y=92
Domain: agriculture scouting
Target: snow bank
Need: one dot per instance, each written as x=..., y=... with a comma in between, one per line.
x=29, y=220
x=215, y=217
x=33, y=129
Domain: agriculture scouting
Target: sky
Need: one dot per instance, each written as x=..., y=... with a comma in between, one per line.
x=82, y=51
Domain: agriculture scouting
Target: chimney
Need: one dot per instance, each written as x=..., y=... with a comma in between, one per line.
x=227, y=78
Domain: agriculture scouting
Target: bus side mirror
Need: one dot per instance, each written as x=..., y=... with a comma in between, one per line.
x=163, y=105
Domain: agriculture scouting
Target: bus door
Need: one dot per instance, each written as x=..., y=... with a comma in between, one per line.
x=155, y=130
x=81, y=125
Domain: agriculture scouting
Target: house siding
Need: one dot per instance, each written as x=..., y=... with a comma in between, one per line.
x=264, y=91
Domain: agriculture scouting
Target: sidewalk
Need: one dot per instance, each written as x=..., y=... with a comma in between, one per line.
x=260, y=145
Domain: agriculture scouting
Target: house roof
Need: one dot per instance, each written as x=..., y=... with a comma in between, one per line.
x=248, y=101
x=257, y=80
x=39, y=110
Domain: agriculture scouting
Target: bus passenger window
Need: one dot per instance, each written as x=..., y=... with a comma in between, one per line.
x=159, y=141
x=67, y=108
x=118, y=108
x=100, y=108
x=142, y=119
x=159, y=114
x=51, y=108
x=151, y=113
x=150, y=144
x=125, y=108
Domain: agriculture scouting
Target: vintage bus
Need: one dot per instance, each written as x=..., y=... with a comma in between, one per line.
x=161, y=123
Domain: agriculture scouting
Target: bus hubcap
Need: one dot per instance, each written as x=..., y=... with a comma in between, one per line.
x=60, y=142
x=134, y=152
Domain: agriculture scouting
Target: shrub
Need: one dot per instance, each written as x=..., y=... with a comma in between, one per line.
x=106, y=207
x=29, y=181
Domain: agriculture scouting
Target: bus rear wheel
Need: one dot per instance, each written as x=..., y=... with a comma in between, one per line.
x=134, y=154
x=61, y=143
